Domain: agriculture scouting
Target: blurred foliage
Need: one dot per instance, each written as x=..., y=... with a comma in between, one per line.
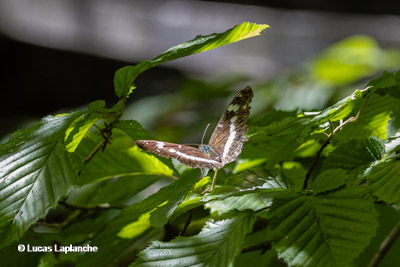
x=322, y=80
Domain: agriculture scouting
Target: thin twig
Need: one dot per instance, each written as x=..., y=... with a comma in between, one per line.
x=263, y=247
x=106, y=134
x=385, y=246
x=316, y=159
x=98, y=207
x=327, y=141
x=212, y=184
x=94, y=151
x=187, y=222
x=260, y=210
x=173, y=177
x=331, y=126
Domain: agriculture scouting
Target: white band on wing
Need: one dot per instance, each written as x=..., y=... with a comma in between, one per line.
x=232, y=134
x=192, y=157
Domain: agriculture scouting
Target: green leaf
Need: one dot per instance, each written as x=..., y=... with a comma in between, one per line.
x=273, y=150
x=111, y=244
x=97, y=105
x=384, y=181
x=186, y=205
x=261, y=187
x=12, y=257
x=163, y=202
x=36, y=172
x=273, y=116
x=112, y=248
x=325, y=230
x=342, y=109
x=133, y=129
x=387, y=83
x=78, y=129
x=352, y=59
x=177, y=193
x=118, y=191
x=247, y=183
x=251, y=202
x=277, y=141
x=113, y=163
x=136, y=228
x=289, y=126
x=257, y=258
x=216, y=245
x=389, y=216
x=125, y=76
x=373, y=120
x=329, y=180
x=204, y=43
x=354, y=154
x=393, y=144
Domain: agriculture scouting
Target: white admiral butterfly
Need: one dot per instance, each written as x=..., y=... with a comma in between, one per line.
x=225, y=144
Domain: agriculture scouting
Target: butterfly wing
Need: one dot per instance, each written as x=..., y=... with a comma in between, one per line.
x=228, y=137
x=187, y=155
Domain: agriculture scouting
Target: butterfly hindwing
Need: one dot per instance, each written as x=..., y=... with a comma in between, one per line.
x=187, y=155
x=228, y=136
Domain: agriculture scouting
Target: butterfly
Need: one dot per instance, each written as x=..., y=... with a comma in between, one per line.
x=225, y=144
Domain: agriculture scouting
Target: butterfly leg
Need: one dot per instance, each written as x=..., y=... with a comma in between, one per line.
x=212, y=184
x=204, y=172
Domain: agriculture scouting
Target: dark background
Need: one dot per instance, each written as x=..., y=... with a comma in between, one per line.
x=46, y=76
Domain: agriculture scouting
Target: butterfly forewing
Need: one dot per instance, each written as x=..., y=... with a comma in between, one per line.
x=228, y=136
x=187, y=155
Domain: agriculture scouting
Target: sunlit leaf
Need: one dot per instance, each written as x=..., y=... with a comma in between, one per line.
x=354, y=154
x=177, y=192
x=393, y=144
x=113, y=163
x=373, y=120
x=125, y=76
x=384, y=180
x=78, y=129
x=251, y=201
x=35, y=172
x=387, y=83
x=351, y=59
x=111, y=244
x=136, y=228
x=216, y=245
x=133, y=129
x=326, y=230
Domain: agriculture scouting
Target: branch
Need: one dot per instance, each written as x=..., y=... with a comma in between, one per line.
x=260, y=210
x=263, y=247
x=385, y=246
x=316, y=159
x=106, y=134
x=188, y=220
x=327, y=141
x=105, y=206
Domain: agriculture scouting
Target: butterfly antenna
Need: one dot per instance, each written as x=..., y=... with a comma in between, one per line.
x=202, y=138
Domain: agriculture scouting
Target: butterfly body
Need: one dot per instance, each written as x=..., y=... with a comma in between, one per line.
x=225, y=144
